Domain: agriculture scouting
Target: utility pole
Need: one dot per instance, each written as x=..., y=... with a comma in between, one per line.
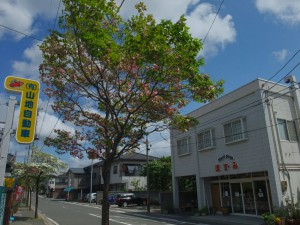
x=91, y=187
x=6, y=137
x=148, y=178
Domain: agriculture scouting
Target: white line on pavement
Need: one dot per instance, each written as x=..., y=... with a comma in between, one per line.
x=169, y=219
x=110, y=219
x=53, y=221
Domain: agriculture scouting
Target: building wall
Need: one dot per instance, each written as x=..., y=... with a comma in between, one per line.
x=121, y=178
x=259, y=152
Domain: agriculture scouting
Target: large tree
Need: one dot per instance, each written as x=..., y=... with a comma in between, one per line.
x=118, y=80
x=160, y=174
x=42, y=167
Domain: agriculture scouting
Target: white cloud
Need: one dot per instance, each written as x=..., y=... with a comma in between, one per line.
x=199, y=18
x=221, y=33
x=29, y=68
x=47, y=123
x=20, y=15
x=281, y=55
x=159, y=144
x=287, y=11
x=78, y=163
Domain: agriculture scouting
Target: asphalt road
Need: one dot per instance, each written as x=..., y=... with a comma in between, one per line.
x=71, y=213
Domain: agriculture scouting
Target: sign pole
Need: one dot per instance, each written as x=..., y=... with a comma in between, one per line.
x=6, y=137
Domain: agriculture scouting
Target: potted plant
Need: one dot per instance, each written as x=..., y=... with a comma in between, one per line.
x=204, y=211
x=281, y=214
x=295, y=218
x=269, y=218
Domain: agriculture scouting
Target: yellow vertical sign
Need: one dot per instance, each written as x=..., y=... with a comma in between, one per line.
x=29, y=90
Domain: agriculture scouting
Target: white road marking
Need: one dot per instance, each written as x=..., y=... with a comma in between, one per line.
x=110, y=219
x=53, y=221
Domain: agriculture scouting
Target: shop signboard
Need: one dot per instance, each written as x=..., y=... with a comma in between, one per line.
x=29, y=90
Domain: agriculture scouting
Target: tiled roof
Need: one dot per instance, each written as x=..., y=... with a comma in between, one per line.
x=77, y=170
x=129, y=157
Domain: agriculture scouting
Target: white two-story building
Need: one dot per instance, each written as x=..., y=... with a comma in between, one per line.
x=245, y=152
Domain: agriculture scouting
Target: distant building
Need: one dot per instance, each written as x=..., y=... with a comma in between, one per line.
x=125, y=176
x=125, y=172
x=245, y=152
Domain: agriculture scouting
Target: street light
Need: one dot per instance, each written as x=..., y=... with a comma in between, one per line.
x=91, y=187
x=148, y=178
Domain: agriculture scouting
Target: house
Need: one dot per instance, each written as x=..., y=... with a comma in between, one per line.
x=72, y=184
x=125, y=175
x=244, y=153
x=125, y=172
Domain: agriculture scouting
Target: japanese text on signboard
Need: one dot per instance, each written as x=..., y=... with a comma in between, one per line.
x=29, y=90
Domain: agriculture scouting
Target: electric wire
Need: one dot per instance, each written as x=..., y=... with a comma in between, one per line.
x=212, y=22
x=46, y=109
x=56, y=15
x=51, y=132
x=19, y=32
x=296, y=53
x=238, y=110
x=286, y=75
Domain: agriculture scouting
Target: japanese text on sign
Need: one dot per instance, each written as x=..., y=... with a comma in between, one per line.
x=29, y=90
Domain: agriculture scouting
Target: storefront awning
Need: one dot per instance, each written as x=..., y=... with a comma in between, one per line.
x=67, y=189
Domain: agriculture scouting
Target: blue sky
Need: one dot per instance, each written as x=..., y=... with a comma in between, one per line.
x=248, y=39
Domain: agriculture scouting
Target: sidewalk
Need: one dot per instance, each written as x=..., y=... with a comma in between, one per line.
x=210, y=219
x=24, y=216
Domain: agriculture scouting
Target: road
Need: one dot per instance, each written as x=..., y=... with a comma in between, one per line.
x=71, y=213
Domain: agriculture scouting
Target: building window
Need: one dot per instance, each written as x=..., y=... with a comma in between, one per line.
x=287, y=130
x=206, y=139
x=183, y=146
x=115, y=170
x=131, y=169
x=235, y=131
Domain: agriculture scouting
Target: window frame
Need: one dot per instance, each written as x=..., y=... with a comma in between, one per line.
x=115, y=169
x=188, y=146
x=233, y=135
x=212, y=139
x=287, y=130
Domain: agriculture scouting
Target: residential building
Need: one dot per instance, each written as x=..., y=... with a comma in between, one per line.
x=245, y=152
x=125, y=172
x=125, y=175
x=75, y=182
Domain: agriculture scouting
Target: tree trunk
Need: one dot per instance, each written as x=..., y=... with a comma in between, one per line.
x=27, y=196
x=37, y=195
x=30, y=198
x=106, y=182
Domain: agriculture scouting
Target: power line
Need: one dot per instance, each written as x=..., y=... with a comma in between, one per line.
x=286, y=75
x=19, y=32
x=284, y=65
x=238, y=110
x=49, y=98
x=51, y=131
x=212, y=22
x=56, y=15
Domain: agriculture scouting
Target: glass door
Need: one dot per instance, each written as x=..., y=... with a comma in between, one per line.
x=261, y=195
x=237, y=200
x=226, y=195
x=249, y=201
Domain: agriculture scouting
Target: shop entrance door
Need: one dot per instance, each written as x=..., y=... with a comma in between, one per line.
x=249, y=202
x=216, y=200
x=237, y=200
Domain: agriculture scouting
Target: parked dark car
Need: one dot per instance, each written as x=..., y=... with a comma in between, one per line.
x=125, y=199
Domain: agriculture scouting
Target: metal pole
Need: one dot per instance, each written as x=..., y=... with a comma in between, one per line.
x=6, y=137
x=148, y=178
x=91, y=188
